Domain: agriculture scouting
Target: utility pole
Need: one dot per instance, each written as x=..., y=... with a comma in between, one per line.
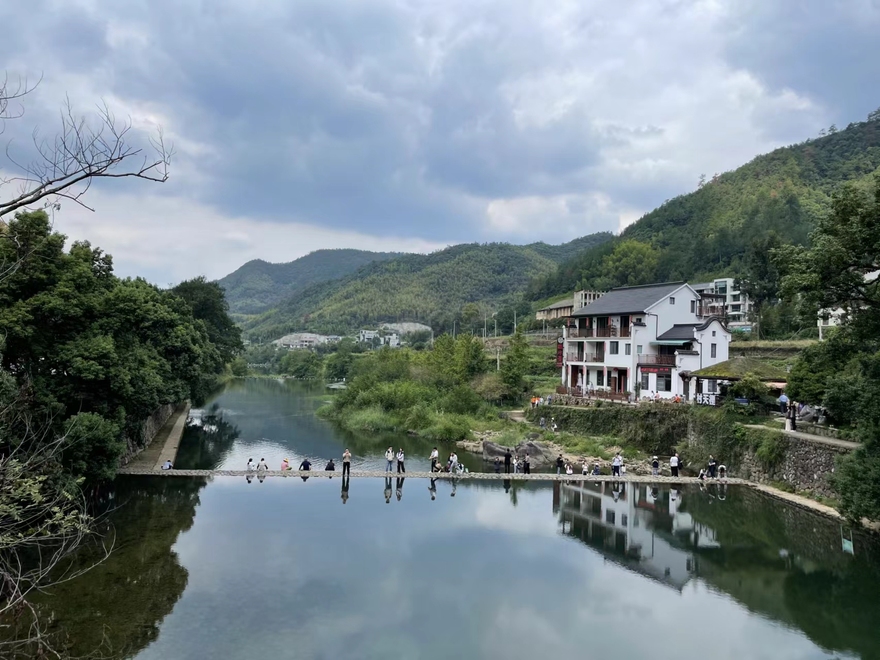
x=514, y=321
x=497, y=358
x=485, y=318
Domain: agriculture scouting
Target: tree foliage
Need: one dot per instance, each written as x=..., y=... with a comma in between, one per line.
x=94, y=354
x=839, y=271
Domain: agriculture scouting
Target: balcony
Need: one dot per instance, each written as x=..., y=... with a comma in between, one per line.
x=665, y=360
x=585, y=357
x=599, y=333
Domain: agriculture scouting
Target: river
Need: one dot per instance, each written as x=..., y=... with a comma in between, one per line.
x=227, y=568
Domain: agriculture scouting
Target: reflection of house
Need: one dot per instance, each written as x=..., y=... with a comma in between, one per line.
x=647, y=337
x=637, y=526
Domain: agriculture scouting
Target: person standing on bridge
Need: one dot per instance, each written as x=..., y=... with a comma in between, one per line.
x=346, y=463
x=389, y=458
x=616, y=462
x=507, y=458
x=527, y=464
x=673, y=464
x=435, y=455
x=400, y=457
x=559, y=464
x=713, y=466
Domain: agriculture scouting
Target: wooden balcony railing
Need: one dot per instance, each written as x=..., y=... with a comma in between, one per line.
x=667, y=360
x=585, y=357
x=599, y=333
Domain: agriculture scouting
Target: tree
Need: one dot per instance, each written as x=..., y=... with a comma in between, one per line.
x=84, y=150
x=839, y=271
x=470, y=358
x=515, y=365
x=208, y=303
x=761, y=280
x=631, y=263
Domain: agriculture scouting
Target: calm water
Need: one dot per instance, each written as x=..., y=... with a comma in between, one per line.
x=293, y=569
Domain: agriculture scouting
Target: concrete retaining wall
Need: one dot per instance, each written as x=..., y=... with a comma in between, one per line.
x=805, y=465
x=149, y=430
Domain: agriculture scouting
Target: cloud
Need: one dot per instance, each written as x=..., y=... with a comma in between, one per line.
x=439, y=122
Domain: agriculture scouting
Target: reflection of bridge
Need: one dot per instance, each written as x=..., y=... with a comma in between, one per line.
x=637, y=526
x=486, y=476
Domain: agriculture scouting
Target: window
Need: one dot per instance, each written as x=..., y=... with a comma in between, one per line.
x=614, y=347
x=664, y=383
x=713, y=333
x=639, y=349
x=624, y=520
x=639, y=319
x=646, y=382
x=711, y=386
x=672, y=301
x=735, y=298
x=627, y=348
x=713, y=350
x=600, y=378
x=609, y=517
x=693, y=306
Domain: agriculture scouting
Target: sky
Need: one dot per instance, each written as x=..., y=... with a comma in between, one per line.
x=411, y=125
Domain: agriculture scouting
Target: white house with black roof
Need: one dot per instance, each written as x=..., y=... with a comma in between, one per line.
x=642, y=338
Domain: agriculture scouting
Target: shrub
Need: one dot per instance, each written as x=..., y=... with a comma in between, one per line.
x=447, y=428
x=94, y=445
x=370, y=419
x=462, y=400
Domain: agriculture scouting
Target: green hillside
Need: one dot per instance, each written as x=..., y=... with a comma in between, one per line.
x=729, y=220
x=434, y=288
x=258, y=285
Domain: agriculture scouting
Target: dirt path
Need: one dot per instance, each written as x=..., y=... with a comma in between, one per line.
x=809, y=437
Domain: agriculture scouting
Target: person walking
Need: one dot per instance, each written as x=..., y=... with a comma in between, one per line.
x=673, y=464
x=389, y=459
x=559, y=464
x=783, y=403
x=527, y=464
x=401, y=469
x=346, y=463
x=435, y=455
x=616, y=462
x=655, y=466
x=507, y=458
x=713, y=466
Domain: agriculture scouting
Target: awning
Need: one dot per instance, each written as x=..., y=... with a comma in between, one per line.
x=671, y=342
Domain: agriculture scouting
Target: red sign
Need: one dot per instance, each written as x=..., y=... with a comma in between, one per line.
x=560, y=347
x=656, y=370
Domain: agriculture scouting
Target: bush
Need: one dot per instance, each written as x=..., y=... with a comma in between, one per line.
x=462, y=400
x=447, y=428
x=370, y=419
x=93, y=446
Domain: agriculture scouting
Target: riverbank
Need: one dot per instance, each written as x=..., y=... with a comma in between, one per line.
x=165, y=443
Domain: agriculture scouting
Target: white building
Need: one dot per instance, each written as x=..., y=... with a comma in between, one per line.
x=645, y=337
x=723, y=292
x=391, y=340
x=299, y=340
x=367, y=335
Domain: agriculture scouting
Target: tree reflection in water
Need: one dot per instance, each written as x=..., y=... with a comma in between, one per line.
x=136, y=587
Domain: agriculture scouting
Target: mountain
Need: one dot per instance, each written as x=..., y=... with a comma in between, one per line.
x=258, y=285
x=730, y=220
x=428, y=288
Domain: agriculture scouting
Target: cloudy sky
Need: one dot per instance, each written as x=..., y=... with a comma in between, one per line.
x=415, y=124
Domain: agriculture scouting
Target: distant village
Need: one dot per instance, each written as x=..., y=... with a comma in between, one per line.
x=388, y=334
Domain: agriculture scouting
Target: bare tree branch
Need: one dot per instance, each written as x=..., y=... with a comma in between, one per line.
x=65, y=166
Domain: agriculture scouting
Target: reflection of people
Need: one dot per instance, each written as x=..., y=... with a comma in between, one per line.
x=249, y=478
x=400, y=481
x=454, y=486
x=388, y=490
x=261, y=477
x=346, y=463
x=507, y=485
x=433, y=489
x=345, y=481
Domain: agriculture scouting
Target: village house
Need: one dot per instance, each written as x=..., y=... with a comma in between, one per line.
x=564, y=308
x=725, y=300
x=645, y=339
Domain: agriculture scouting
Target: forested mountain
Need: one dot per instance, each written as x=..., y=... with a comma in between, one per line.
x=258, y=285
x=730, y=221
x=460, y=283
